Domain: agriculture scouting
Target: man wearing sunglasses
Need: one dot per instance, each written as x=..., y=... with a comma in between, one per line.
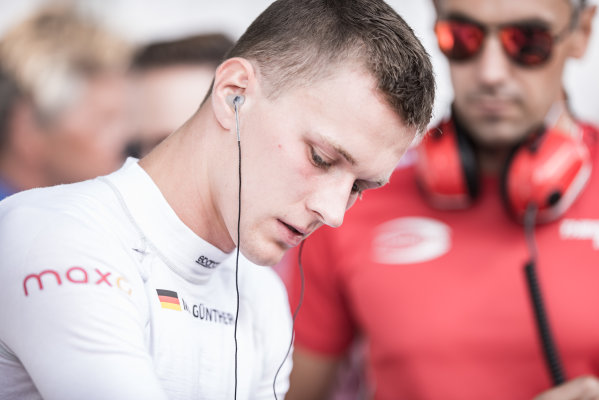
x=428, y=274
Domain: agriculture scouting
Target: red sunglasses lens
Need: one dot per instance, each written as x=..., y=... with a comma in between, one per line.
x=459, y=40
x=527, y=46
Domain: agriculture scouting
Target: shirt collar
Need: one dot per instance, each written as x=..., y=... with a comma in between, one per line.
x=188, y=254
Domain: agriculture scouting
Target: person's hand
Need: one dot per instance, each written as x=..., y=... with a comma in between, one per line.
x=582, y=388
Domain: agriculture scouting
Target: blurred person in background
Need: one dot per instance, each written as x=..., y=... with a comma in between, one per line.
x=66, y=118
x=434, y=272
x=170, y=79
x=9, y=93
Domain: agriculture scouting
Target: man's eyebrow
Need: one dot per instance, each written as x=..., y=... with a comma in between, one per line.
x=344, y=153
x=348, y=157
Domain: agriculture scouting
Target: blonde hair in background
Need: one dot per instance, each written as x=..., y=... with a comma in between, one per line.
x=51, y=53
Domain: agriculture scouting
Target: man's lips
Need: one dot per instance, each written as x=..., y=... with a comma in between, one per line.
x=492, y=104
x=292, y=235
x=297, y=231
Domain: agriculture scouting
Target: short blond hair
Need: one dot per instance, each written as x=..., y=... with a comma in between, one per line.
x=51, y=53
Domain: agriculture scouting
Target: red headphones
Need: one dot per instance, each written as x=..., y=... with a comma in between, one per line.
x=549, y=169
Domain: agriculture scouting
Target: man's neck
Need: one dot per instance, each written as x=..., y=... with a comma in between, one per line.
x=492, y=160
x=185, y=152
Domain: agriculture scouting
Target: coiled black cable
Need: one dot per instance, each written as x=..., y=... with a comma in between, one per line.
x=552, y=357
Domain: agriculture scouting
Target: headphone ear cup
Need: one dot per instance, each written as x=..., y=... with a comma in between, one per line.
x=549, y=175
x=446, y=168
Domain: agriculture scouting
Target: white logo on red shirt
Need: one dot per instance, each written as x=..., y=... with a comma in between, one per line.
x=580, y=229
x=410, y=240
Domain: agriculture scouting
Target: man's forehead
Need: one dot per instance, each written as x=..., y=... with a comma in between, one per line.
x=505, y=9
x=444, y=3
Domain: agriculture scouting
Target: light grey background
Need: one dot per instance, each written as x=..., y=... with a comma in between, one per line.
x=144, y=20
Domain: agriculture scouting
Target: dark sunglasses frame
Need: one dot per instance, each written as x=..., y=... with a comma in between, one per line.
x=535, y=51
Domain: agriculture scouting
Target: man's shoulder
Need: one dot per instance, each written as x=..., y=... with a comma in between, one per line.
x=57, y=199
x=63, y=237
x=69, y=217
x=75, y=200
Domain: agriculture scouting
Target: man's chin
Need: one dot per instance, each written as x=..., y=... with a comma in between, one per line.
x=263, y=257
x=496, y=134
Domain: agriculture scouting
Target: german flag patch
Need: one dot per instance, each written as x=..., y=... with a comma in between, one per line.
x=168, y=299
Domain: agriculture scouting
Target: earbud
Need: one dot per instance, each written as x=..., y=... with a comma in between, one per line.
x=235, y=100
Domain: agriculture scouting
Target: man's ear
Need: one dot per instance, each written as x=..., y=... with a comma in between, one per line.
x=235, y=76
x=582, y=32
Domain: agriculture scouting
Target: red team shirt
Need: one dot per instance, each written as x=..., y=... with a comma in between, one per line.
x=441, y=296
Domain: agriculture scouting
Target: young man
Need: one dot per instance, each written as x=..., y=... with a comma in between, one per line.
x=66, y=119
x=127, y=286
x=170, y=80
x=430, y=276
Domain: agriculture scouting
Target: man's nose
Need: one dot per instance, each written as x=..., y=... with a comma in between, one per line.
x=493, y=65
x=330, y=202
